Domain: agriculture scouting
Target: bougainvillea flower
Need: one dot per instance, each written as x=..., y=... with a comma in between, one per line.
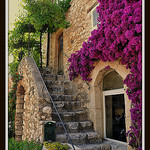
x=119, y=35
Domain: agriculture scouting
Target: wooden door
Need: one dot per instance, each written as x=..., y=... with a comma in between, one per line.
x=60, y=54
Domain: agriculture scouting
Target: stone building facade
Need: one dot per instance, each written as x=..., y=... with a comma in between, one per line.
x=80, y=16
x=34, y=109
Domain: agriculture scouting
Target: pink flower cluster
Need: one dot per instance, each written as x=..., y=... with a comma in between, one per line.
x=119, y=36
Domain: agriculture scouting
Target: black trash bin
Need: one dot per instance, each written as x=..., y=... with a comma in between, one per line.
x=49, y=131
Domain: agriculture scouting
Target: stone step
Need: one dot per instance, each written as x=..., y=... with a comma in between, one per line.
x=74, y=127
x=68, y=105
x=59, y=90
x=56, y=90
x=52, y=77
x=48, y=70
x=80, y=138
x=58, y=97
x=68, y=91
x=45, y=70
x=50, y=83
x=70, y=116
x=104, y=145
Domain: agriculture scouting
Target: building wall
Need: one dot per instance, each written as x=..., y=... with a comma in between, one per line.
x=79, y=16
x=91, y=94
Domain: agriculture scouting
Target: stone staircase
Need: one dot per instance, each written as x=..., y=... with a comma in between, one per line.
x=73, y=114
x=71, y=111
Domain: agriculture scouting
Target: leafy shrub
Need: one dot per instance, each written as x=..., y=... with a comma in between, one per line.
x=56, y=146
x=23, y=145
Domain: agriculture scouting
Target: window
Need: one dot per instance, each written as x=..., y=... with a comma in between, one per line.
x=112, y=81
x=114, y=107
x=94, y=16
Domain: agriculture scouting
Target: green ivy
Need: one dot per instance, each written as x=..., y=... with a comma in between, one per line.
x=15, y=77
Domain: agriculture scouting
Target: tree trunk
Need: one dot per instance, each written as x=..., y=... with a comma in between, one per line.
x=21, y=47
x=29, y=39
x=48, y=42
x=40, y=49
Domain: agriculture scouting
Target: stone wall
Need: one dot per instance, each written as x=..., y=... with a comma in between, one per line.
x=79, y=16
x=33, y=106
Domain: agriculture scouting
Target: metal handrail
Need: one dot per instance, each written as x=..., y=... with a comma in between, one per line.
x=56, y=110
x=62, y=122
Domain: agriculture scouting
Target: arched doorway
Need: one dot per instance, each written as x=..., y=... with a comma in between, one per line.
x=19, y=113
x=60, y=54
x=97, y=92
x=114, y=107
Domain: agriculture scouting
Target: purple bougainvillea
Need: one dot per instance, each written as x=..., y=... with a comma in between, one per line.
x=118, y=37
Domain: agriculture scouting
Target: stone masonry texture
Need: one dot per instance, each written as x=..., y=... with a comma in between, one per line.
x=37, y=106
x=33, y=105
x=79, y=15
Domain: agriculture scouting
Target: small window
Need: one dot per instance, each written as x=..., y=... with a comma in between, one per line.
x=112, y=81
x=94, y=17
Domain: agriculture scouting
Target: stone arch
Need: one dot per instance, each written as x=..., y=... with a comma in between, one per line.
x=58, y=33
x=96, y=93
x=19, y=112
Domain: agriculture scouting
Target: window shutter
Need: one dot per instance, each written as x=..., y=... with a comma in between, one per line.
x=95, y=16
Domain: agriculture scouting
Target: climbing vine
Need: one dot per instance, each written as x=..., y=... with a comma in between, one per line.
x=117, y=37
x=15, y=77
